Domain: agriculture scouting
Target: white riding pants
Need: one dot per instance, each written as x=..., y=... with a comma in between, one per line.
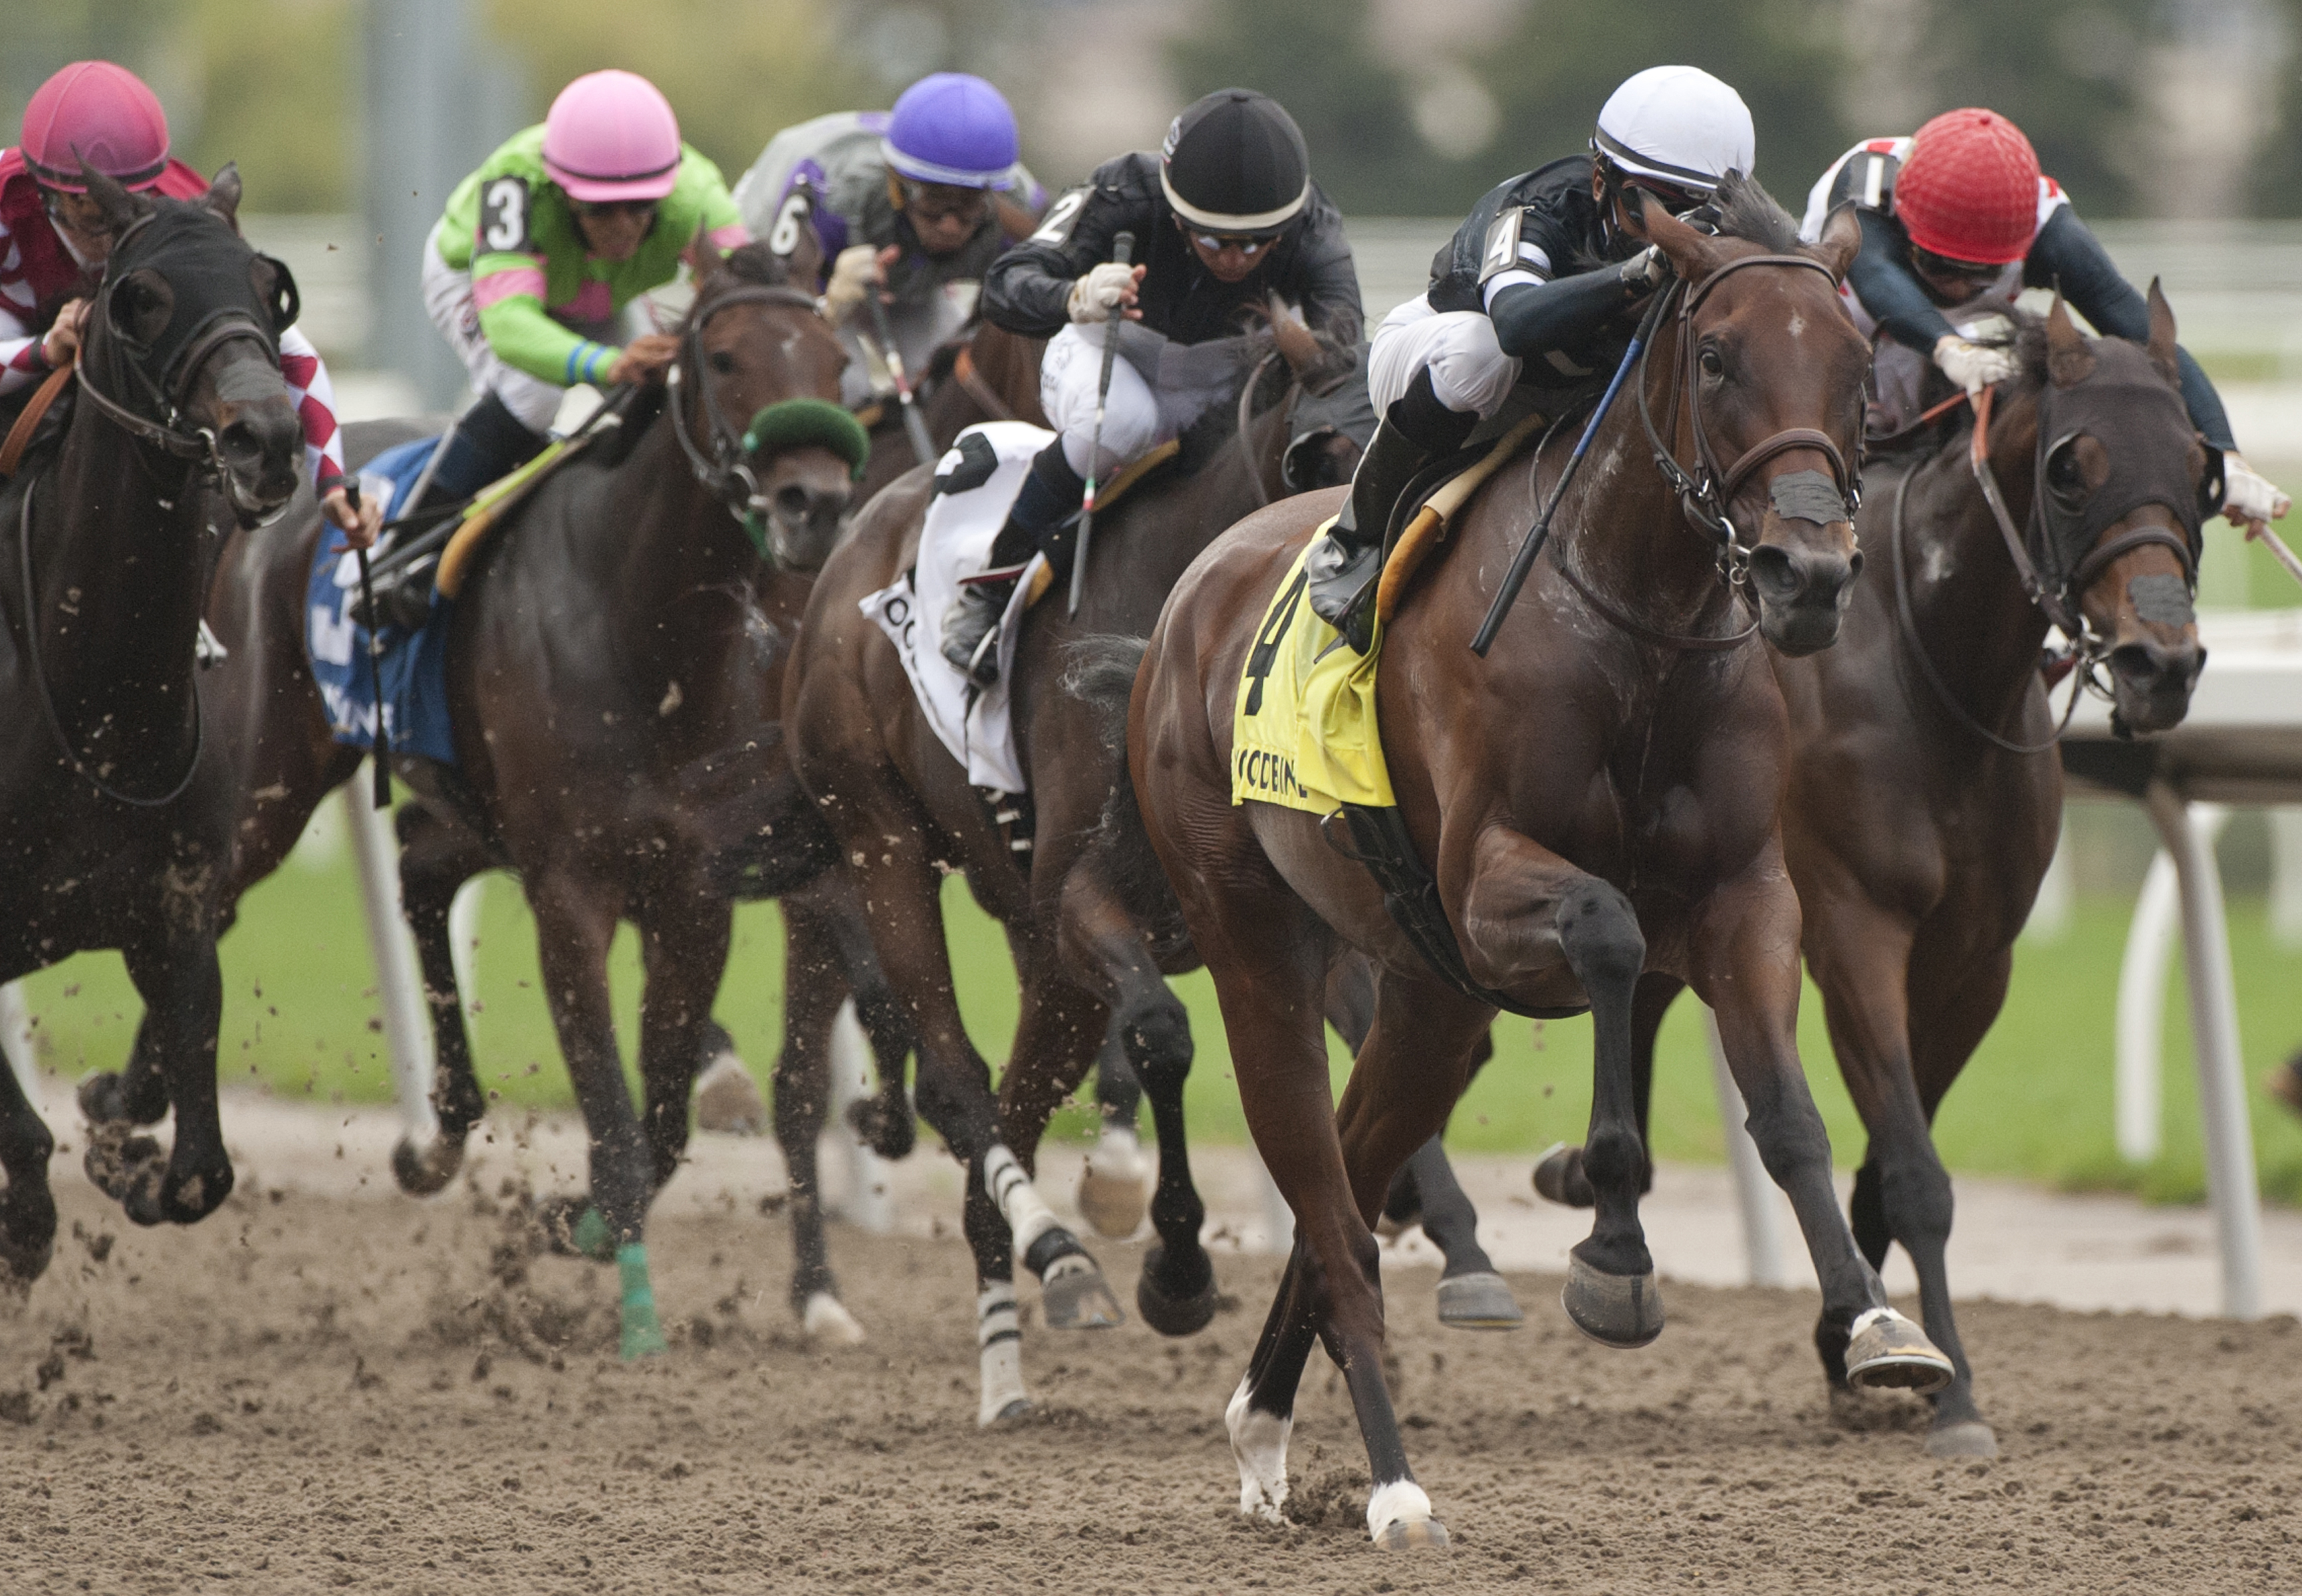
x=1469, y=372
x=448, y=301
x=1138, y=417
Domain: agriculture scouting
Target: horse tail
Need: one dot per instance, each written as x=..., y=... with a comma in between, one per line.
x=1100, y=672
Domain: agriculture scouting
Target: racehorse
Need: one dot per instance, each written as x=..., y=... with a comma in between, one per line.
x=1927, y=797
x=904, y=814
x=115, y=815
x=1597, y=798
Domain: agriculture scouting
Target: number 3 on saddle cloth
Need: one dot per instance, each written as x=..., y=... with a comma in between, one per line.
x=413, y=665
x=1304, y=734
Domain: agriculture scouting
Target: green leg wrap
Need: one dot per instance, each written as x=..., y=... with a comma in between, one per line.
x=593, y=1239
x=642, y=1331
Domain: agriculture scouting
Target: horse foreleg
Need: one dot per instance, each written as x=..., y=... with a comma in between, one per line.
x=575, y=922
x=182, y=988
x=138, y=1094
x=27, y=1209
x=1746, y=970
x=1559, y=1175
x=814, y=986
x=683, y=938
x=435, y=859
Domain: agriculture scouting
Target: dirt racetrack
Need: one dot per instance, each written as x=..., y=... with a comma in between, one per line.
x=309, y=1392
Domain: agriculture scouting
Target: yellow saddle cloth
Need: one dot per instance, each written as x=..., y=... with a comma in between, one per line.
x=1303, y=727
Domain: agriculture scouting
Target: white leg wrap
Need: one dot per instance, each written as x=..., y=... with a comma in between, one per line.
x=1019, y=1201
x=826, y=1321
x=1402, y=1501
x=1258, y=1443
x=1001, y=1344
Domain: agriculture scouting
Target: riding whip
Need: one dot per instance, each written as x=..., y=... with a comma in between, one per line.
x=2260, y=531
x=1122, y=252
x=915, y=426
x=1539, y=533
x=379, y=756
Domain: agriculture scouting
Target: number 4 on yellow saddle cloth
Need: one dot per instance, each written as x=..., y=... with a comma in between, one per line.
x=1303, y=728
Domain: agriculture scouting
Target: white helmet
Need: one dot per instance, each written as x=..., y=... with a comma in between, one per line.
x=1678, y=125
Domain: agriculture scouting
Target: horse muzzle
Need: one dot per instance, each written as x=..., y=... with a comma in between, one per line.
x=2151, y=681
x=805, y=524
x=1802, y=594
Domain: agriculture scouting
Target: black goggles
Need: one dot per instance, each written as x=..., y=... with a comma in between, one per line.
x=1247, y=244
x=1931, y=264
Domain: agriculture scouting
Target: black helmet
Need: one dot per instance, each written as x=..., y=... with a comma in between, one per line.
x=1234, y=162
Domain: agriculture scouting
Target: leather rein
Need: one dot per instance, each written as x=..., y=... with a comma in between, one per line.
x=724, y=472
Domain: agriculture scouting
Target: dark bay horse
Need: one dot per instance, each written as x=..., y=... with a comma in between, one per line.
x=115, y=813
x=904, y=814
x=1596, y=799
x=1926, y=794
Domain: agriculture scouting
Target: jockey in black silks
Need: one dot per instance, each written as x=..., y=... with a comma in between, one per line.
x=1960, y=210
x=1540, y=290
x=1226, y=218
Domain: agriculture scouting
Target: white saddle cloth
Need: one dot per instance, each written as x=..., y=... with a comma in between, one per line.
x=956, y=542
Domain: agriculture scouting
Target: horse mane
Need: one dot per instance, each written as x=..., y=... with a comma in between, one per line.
x=1746, y=211
x=753, y=264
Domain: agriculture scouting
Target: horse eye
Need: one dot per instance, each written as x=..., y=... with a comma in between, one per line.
x=1711, y=365
x=723, y=362
x=2062, y=472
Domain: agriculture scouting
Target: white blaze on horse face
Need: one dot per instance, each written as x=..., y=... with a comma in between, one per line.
x=1798, y=323
x=1258, y=1441
x=1939, y=564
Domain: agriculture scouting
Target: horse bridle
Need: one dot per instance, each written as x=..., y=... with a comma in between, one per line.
x=1705, y=493
x=726, y=474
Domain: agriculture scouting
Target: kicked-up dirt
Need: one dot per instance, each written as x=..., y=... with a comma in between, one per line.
x=310, y=1392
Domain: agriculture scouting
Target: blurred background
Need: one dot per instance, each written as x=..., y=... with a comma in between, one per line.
x=2175, y=125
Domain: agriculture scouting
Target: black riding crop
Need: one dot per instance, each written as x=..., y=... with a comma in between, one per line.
x=380, y=755
x=915, y=426
x=1122, y=253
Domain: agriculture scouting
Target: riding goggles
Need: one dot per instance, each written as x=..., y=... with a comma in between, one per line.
x=1943, y=269
x=944, y=202
x=1247, y=244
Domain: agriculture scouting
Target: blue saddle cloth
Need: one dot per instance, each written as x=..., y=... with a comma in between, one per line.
x=413, y=665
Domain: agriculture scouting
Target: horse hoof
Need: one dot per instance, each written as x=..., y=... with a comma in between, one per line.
x=1559, y=1178
x=1478, y=1301
x=422, y=1172
x=728, y=1100
x=1888, y=1352
x=1399, y=1519
x=573, y=1227
x=1623, y=1311
x=28, y=1236
x=1016, y=1408
x=1114, y=1190
x=1182, y=1314
x=1969, y=1438
x=103, y=1099
x=828, y=1322
x=1073, y=1296
x=891, y=1134
x=117, y=1163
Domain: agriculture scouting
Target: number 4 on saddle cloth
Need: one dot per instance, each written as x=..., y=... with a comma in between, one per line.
x=413, y=664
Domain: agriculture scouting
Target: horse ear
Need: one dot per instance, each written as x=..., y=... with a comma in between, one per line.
x=2161, y=336
x=121, y=208
x=1840, y=241
x=223, y=196
x=1692, y=253
x=2068, y=359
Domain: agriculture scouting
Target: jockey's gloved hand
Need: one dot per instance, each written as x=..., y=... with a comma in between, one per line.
x=643, y=359
x=853, y=274
x=359, y=526
x=2247, y=495
x=1644, y=272
x=1104, y=290
x=1975, y=366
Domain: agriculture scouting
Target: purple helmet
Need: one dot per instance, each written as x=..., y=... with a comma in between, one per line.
x=953, y=128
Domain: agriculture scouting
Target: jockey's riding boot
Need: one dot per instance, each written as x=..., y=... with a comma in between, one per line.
x=1050, y=495
x=1344, y=565
x=488, y=442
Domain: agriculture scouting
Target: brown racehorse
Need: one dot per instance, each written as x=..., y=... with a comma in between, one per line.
x=1597, y=798
x=115, y=812
x=1926, y=797
x=904, y=812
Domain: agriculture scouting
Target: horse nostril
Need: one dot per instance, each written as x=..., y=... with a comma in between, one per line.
x=2147, y=662
x=242, y=442
x=1774, y=573
x=792, y=503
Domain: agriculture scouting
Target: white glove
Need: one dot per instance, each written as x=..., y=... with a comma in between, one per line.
x=856, y=274
x=2248, y=496
x=1097, y=294
x=1644, y=271
x=1975, y=366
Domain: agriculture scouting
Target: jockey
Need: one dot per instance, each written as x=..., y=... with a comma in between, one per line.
x=1960, y=210
x=1542, y=285
x=540, y=249
x=913, y=204
x=1225, y=218
x=53, y=237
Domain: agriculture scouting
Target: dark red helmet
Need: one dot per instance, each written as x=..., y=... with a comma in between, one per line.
x=94, y=112
x=1970, y=190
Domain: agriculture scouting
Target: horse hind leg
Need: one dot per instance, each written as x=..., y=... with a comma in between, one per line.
x=28, y=1208
x=182, y=988
x=1115, y=1190
x=814, y=988
x=436, y=859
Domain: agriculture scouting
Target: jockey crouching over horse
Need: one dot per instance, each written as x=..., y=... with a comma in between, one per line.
x=1595, y=799
x=1226, y=219
x=115, y=813
x=909, y=209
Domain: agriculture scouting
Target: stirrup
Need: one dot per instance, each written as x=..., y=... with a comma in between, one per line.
x=983, y=664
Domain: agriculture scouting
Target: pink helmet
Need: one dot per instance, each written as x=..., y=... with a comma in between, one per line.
x=611, y=135
x=105, y=115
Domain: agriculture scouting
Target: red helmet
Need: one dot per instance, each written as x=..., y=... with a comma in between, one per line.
x=1970, y=190
x=94, y=112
